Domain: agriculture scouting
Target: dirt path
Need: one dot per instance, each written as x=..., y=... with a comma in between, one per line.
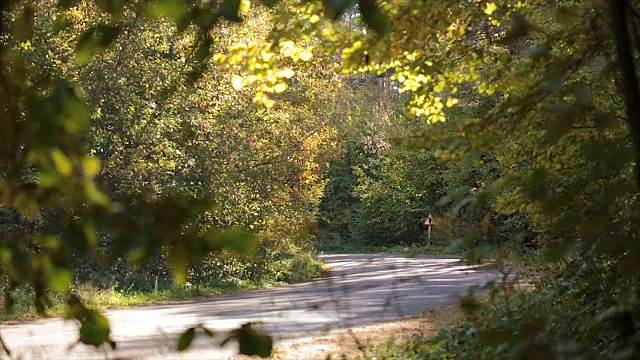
x=361, y=291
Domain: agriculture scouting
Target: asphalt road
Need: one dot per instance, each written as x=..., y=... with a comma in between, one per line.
x=360, y=290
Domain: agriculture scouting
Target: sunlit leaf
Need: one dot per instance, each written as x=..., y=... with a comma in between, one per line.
x=237, y=82
x=490, y=7
x=62, y=162
x=91, y=166
x=306, y=55
x=286, y=73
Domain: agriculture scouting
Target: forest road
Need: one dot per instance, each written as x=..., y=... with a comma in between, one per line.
x=360, y=290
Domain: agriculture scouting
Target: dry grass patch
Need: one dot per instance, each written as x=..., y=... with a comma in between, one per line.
x=355, y=341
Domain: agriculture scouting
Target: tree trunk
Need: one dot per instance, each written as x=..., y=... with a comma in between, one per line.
x=628, y=77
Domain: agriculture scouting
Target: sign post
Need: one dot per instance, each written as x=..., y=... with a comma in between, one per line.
x=429, y=222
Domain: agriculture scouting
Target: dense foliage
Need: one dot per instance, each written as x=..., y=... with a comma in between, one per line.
x=174, y=131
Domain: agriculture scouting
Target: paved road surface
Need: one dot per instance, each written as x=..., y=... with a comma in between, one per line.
x=361, y=290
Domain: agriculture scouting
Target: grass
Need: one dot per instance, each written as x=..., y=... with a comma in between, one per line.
x=299, y=269
x=104, y=299
x=410, y=250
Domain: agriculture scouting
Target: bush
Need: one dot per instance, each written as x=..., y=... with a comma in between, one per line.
x=268, y=266
x=583, y=310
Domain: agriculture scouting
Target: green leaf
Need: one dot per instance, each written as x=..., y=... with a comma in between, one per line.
x=23, y=25
x=253, y=342
x=175, y=10
x=95, y=329
x=519, y=29
x=66, y=4
x=178, y=261
x=469, y=303
x=620, y=319
x=553, y=83
x=48, y=179
x=239, y=241
x=59, y=278
x=185, y=339
x=230, y=9
x=567, y=15
x=107, y=34
x=110, y=6
x=75, y=114
x=269, y=3
x=604, y=120
x=203, y=52
x=60, y=26
x=95, y=195
x=86, y=46
x=538, y=52
x=535, y=184
x=373, y=16
x=335, y=8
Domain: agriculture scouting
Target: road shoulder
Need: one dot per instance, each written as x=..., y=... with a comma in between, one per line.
x=356, y=342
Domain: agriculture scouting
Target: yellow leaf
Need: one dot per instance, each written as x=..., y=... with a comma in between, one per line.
x=62, y=162
x=269, y=103
x=280, y=87
x=285, y=73
x=267, y=54
x=439, y=87
x=245, y=5
x=305, y=55
x=451, y=102
x=491, y=7
x=314, y=19
x=91, y=166
x=237, y=81
x=287, y=44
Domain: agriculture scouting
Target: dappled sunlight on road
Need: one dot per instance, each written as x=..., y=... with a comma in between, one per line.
x=361, y=290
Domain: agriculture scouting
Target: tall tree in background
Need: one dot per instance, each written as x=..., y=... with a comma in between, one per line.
x=564, y=145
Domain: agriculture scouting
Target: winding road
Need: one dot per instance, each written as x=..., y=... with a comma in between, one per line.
x=360, y=290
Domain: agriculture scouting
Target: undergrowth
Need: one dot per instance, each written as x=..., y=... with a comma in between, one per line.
x=582, y=311
x=104, y=288
x=413, y=249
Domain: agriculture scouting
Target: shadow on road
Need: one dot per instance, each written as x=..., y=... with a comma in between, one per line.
x=361, y=290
